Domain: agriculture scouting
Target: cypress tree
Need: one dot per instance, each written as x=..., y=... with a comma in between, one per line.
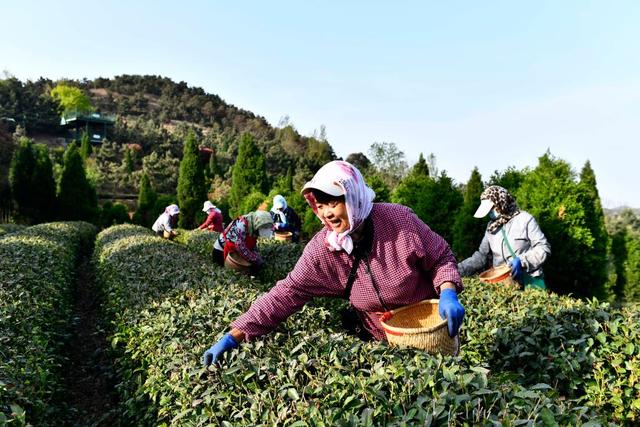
x=43, y=191
x=127, y=162
x=249, y=173
x=421, y=167
x=551, y=194
x=467, y=230
x=377, y=184
x=85, y=146
x=191, y=185
x=434, y=200
x=624, y=230
x=77, y=198
x=21, y=172
x=594, y=218
x=214, y=168
x=147, y=198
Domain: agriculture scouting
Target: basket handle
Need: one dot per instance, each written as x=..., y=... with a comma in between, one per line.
x=386, y=316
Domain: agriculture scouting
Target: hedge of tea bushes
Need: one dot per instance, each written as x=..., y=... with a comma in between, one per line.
x=280, y=257
x=10, y=228
x=586, y=350
x=199, y=241
x=306, y=373
x=37, y=269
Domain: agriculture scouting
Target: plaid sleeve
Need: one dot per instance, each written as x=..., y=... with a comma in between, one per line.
x=435, y=255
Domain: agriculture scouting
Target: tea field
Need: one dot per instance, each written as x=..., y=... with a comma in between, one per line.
x=527, y=358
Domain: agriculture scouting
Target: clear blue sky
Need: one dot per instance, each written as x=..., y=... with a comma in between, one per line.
x=488, y=84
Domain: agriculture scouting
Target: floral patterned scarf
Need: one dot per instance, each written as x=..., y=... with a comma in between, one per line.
x=503, y=203
x=357, y=195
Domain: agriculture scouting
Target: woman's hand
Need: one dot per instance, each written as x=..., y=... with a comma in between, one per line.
x=214, y=354
x=450, y=308
x=516, y=267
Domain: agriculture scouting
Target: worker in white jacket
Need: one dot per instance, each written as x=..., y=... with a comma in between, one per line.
x=166, y=222
x=513, y=237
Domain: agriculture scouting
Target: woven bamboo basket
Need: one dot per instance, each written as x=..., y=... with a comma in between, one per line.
x=283, y=236
x=235, y=262
x=501, y=273
x=419, y=325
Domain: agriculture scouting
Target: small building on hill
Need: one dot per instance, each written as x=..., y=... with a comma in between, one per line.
x=96, y=125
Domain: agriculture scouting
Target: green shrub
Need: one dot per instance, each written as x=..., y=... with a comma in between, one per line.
x=113, y=213
x=37, y=266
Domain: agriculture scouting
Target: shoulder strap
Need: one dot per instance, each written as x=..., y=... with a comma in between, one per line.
x=504, y=238
x=352, y=274
x=361, y=250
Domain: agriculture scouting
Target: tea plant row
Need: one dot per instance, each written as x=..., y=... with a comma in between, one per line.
x=37, y=266
x=169, y=303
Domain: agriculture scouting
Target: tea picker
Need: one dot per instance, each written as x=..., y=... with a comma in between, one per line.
x=285, y=219
x=214, y=218
x=239, y=240
x=167, y=222
x=512, y=238
x=378, y=256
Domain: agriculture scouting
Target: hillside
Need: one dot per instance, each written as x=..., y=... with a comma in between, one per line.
x=155, y=113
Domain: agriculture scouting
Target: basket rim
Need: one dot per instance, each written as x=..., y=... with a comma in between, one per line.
x=408, y=331
x=495, y=279
x=233, y=258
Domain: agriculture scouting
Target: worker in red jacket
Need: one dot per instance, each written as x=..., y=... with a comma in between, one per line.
x=214, y=218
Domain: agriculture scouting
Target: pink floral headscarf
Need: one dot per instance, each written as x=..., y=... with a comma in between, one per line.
x=357, y=195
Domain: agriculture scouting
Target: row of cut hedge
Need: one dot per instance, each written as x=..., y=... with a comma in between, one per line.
x=280, y=257
x=10, y=228
x=583, y=349
x=169, y=304
x=37, y=267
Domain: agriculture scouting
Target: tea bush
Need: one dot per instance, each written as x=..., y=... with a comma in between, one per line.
x=36, y=272
x=585, y=350
x=307, y=372
x=10, y=228
x=199, y=241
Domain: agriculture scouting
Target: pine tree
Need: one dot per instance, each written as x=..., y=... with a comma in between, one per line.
x=191, y=185
x=467, y=230
x=147, y=198
x=77, y=199
x=85, y=147
x=249, y=173
x=21, y=172
x=594, y=218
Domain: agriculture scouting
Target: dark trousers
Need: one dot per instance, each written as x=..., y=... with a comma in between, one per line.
x=218, y=256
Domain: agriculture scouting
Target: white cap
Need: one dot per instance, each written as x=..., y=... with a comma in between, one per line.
x=331, y=188
x=207, y=205
x=484, y=208
x=173, y=209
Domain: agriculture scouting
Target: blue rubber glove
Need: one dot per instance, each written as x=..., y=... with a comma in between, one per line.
x=516, y=267
x=213, y=355
x=451, y=309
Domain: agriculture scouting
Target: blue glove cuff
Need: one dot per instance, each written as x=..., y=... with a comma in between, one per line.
x=229, y=341
x=448, y=294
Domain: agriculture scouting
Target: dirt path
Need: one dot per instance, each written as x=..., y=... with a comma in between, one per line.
x=90, y=377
